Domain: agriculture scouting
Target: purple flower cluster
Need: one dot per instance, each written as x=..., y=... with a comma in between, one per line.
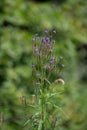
x=46, y=44
x=43, y=52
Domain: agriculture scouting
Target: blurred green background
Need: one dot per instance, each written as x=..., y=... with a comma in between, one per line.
x=19, y=21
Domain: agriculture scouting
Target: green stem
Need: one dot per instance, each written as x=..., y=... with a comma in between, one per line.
x=43, y=112
x=43, y=116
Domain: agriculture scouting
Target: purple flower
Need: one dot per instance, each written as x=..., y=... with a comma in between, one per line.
x=33, y=65
x=62, y=65
x=47, y=39
x=48, y=68
x=34, y=47
x=43, y=40
x=33, y=39
x=48, y=45
x=46, y=31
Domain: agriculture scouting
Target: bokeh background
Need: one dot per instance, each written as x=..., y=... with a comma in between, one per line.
x=19, y=21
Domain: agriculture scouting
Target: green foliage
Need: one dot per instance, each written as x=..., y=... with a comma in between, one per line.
x=19, y=20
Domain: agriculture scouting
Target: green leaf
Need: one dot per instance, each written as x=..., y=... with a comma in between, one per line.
x=47, y=81
x=27, y=122
x=60, y=109
x=33, y=106
x=40, y=125
x=57, y=107
x=53, y=94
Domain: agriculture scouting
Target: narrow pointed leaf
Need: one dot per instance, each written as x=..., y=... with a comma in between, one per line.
x=40, y=125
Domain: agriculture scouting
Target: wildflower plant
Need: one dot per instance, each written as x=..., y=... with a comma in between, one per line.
x=44, y=64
